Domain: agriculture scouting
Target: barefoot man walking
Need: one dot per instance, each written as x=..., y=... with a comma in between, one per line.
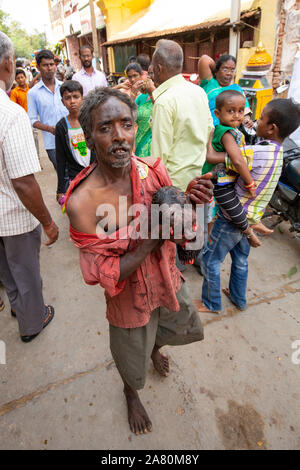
x=148, y=304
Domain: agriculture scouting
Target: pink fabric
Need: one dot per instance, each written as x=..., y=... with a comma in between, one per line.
x=157, y=280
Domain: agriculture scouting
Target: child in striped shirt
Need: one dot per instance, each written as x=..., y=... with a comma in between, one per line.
x=279, y=119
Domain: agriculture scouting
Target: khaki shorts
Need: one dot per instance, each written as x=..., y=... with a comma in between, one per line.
x=131, y=348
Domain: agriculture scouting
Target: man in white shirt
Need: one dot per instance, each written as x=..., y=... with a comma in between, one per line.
x=88, y=77
x=22, y=209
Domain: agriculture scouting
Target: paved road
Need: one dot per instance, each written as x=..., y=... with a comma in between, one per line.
x=238, y=389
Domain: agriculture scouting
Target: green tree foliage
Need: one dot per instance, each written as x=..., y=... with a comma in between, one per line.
x=4, y=22
x=25, y=44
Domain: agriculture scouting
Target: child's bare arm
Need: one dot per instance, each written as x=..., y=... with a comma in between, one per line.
x=235, y=155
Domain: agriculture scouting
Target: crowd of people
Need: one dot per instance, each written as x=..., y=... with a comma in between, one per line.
x=154, y=138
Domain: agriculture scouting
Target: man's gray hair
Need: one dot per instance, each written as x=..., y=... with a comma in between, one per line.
x=99, y=96
x=6, y=47
x=169, y=54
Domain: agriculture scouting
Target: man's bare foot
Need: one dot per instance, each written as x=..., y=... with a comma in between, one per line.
x=160, y=362
x=201, y=307
x=262, y=229
x=138, y=419
x=252, y=238
x=227, y=293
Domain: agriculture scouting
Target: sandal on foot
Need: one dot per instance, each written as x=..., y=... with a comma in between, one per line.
x=48, y=317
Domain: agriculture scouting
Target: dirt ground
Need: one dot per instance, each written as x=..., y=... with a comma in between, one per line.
x=237, y=389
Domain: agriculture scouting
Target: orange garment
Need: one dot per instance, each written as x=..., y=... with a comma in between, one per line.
x=19, y=96
x=155, y=282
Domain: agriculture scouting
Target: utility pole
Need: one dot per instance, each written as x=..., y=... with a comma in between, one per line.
x=234, y=35
x=94, y=34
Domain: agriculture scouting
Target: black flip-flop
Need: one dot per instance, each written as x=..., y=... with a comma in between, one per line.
x=49, y=316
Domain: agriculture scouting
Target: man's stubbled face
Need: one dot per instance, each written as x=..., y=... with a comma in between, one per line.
x=113, y=133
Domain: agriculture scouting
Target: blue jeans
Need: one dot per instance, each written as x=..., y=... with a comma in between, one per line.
x=225, y=238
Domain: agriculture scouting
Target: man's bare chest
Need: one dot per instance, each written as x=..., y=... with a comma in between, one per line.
x=111, y=208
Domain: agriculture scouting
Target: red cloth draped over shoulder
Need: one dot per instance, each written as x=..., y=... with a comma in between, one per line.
x=156, y=281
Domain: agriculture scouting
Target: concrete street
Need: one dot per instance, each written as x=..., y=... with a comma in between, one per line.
x=237, y=389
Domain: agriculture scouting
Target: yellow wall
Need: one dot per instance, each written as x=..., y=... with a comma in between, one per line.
x=111, y=59
x=266, y=33
x=121, y=14
x=244, y=54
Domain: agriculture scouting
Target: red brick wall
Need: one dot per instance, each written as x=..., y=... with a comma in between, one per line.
x=73, y=51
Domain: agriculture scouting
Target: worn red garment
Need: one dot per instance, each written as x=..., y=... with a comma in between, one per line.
x=156, y=281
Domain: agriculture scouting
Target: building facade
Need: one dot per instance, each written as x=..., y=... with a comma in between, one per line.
x=134, y=26
x=288, y=41
x=71, y=26
x=129, y=27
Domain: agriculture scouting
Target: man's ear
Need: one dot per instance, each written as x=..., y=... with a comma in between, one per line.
x=8, y=65
x=89, y=141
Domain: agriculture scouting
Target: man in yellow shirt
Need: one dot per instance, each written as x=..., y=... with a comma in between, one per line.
x=182, y=122
x=19, y=94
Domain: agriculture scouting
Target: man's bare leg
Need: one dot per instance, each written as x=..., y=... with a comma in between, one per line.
x=138, y=419
x=160, y=362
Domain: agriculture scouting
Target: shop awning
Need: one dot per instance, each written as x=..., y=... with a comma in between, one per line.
x=169, y=17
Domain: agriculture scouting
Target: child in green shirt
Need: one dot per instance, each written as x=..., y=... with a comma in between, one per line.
x=230, y=105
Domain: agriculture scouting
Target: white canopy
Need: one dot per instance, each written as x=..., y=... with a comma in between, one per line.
x=172, y=14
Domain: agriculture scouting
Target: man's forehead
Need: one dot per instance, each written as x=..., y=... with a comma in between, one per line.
x=45, y=61
x=112, y=109
x=85, y=52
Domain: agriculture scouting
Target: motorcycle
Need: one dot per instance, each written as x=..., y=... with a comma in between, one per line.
x=285, y=202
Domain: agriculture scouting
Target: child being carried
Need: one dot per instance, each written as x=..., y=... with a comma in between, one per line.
x=230, y=105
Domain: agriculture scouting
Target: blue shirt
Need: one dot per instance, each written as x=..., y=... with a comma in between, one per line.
x=46, y=107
